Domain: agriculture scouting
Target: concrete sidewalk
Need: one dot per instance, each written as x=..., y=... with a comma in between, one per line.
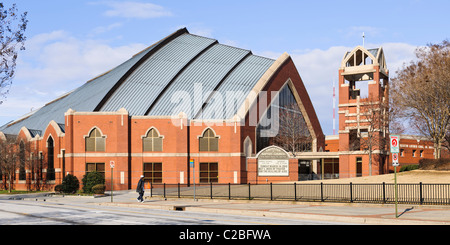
x=357, y=213
x=375, y=214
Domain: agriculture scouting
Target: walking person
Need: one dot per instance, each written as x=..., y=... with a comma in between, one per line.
x=140, y=189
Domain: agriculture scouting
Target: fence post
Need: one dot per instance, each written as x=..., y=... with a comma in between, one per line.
x=384, y=192
x=210, y=189
x=249, y=196
x=151, y=189
x=271, y=191
x=420, y=191
x=321, y=191
x=229, y=191
x=164, y=190
x=295, y=191
x=351, y=192
x=178, y=189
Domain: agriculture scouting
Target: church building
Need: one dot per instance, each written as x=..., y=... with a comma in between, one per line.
x=185, y=108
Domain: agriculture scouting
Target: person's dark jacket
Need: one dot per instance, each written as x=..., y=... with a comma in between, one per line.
x=140, y=185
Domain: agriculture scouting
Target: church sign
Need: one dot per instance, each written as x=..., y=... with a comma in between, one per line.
x=273, y=161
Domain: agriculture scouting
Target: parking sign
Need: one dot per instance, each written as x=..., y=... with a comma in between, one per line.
x=395, y=159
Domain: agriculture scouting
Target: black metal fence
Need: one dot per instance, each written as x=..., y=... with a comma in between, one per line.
x=433, y=194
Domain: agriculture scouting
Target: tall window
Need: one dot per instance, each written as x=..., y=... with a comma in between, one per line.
x=209, y=141
x=152, y=141
x=95, y=141
x=288, y=129
x=22, y=173
x=50, y=163
x=153, y=172
x=209, y=172
x=358, y=166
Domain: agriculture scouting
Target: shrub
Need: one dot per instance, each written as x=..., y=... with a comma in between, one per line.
x=58, y=188
x=90, y=179
x=434, y=164
x=408, y=167
x=99, y=189
x=70, y=184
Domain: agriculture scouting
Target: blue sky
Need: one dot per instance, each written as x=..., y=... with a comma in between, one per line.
x=72, y=41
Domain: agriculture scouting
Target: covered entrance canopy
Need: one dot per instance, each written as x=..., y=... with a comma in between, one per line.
x=323, y=165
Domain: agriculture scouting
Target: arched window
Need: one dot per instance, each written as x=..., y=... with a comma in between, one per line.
x=95, y=141
x=152, y=141
x=209, y=141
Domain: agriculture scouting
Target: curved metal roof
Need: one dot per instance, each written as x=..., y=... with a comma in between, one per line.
x=198, y=81
x=142, y=87
x=151, y=83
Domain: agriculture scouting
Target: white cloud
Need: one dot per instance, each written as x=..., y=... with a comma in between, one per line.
x=103, y=29
x=55, y=63
x=58, y=57
x=397, y=54
x=135, y=10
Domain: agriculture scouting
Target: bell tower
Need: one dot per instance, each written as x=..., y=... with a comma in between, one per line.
x=363, y=116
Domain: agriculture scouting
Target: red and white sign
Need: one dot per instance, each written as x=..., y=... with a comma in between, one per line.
x=111, y=164
x=395, y=139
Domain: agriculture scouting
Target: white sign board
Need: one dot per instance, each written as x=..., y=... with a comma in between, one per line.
x=111, y=164
x=273, y=161
x=273, y=167
x=395, y=143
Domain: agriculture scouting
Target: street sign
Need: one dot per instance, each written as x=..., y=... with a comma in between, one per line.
x=191, y=162
x=395, y=143
x=111, y=164
x=395, y=159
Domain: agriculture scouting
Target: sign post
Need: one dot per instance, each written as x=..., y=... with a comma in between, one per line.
x=111, y=164
x=191, y=162
x=395, y=149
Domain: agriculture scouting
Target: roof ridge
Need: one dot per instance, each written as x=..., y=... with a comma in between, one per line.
x=157, y=46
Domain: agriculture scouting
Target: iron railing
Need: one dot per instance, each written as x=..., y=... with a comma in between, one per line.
x=432, y=194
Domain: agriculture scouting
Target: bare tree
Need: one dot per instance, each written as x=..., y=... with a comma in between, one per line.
x=293, y=134
x=9, y=155
x=35, y=162
x=421, y=91
x=373, y=124
x=12, y=38
x=447, y=138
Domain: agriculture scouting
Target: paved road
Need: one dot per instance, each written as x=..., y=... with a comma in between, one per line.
x=54, y=212
x=159, y=211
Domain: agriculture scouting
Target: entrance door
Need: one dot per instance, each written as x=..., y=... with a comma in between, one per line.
x=304, y=170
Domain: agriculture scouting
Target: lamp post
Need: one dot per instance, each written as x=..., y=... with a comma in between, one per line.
x=111, y=164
